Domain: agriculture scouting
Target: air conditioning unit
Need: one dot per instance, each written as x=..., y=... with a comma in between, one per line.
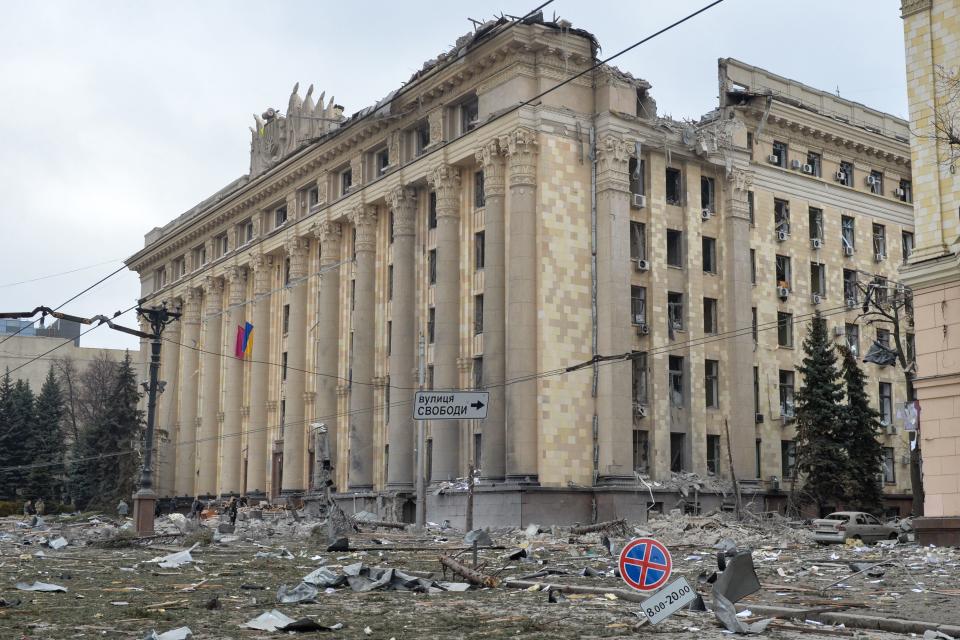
x=840, y=176
x=759, y=418
x=848, y=251
x=643, y=329
x=808, y=168
x=795, y=164
x=899, y=192
x=851, y=303
x=639, y=319
x=816, y=243
x=879, y=257
x=839, y=332
x=773, y=158
x=640, y=410
x=705, y=214
x=782, y=236
x=638, y=201
x=871, y=180
x=677, y=325
x=816, y=298
x=783, y=293
x=641, y=265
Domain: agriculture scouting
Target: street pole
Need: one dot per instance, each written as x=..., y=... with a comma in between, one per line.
x=145, y=499
x=421, y=445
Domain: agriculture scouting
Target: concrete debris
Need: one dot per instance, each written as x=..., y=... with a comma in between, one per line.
x=268, y=621
x=324, y=577
x=303, y=592
x=930, y=634
x=182, y=633
x=282, y=554
x=57, y=543
x=40, y=586
x=478, y=537
x=175, y=560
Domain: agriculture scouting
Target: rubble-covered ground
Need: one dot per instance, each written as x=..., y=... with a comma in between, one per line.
x=121, y=587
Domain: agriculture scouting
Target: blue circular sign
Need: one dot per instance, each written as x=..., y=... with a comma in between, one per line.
x=645, y=564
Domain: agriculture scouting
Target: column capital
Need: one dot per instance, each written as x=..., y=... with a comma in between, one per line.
x=237, y=277
x=403, y=203
x=329, y=235
x=521, y=147
x=444, y=179
x=191, y=306
x=213, y=288
x=262, y=264
x=297, y=248
x=464, y=364
x=343, y=390
x=364, y=218
x=740, y=179
x=271, y=406
x=613, y=163
x=490, y=157
x=309, y=397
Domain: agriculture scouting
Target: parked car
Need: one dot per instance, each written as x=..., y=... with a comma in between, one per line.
x=838, y=527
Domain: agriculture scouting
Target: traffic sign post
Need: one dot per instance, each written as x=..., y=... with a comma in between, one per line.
x=645, y=564
x=671, y=598
x=450, y=405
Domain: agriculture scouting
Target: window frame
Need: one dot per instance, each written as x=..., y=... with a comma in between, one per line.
x=674, y=241
x=711, y=315
x=708, y=252
x=785, y=330
x=674, y=182
x=711, y=383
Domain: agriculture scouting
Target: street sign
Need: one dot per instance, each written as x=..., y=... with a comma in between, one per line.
x=450, y=405
x=645, y=564
x=672, y=597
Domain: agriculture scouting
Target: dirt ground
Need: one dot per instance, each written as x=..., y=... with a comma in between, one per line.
x=119, y=593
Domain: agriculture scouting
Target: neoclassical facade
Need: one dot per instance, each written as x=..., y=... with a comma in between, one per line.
x=622, y=284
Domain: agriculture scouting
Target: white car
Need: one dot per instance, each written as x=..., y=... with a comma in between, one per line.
x=838, y=527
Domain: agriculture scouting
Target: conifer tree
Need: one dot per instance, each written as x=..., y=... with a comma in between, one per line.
x=19, y=418
x=6, y=435
x=47, y=442
x=861, y=427
x=821, y=453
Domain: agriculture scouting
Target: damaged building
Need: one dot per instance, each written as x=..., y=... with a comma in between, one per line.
x=461, y=212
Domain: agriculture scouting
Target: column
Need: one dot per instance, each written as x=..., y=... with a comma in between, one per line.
x=493, y=441
x=258, y=427
x=166, y=424
x=738, y=303
x=231, y=465
x=403, y=343
x=614, y=390
x=521, y=307
x=207, y=445
x=328, y=332
x=445, y=181
x=185, y=475
x=360, y=473
x=294, y=445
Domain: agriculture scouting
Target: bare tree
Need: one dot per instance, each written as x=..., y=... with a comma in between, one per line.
x=69, y=378
x=946, y=115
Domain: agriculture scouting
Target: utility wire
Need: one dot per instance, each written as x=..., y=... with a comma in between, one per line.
x=57, y=275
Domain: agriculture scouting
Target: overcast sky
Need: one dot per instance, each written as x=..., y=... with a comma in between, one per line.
x=115, y=117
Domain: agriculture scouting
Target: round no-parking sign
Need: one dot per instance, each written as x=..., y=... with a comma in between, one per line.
x=645, y=564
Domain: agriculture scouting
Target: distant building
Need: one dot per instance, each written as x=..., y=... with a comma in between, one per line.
x=932, y=35
x=452, y=214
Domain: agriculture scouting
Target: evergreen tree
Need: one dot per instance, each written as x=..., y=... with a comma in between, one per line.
x=6, y=436
x=821, y=452
x=47, y=442
x=861, y=426
x=19, y=420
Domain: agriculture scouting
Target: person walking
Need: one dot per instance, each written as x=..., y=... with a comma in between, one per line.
x=232, y=511
x=28, y=509
x=196, y=508
x=40, y=506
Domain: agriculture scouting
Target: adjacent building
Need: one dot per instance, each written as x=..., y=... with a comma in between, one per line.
x=932, y=35
x=632, y=290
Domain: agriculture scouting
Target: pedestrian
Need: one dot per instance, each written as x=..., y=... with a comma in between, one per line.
x=196, y=508
x=122, y=509
x=157, y=510
x=40, y=506
x=28, y=509
x=232, y=510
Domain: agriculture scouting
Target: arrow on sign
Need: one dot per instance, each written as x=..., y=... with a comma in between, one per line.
x=477, y=405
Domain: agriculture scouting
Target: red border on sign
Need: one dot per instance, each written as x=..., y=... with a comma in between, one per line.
x=650, y=542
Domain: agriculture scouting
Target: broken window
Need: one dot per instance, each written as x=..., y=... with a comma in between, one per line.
x=847, y=234
x=879, y=242
x=199, y=257
x=390, y=282
x=788, y=458
x=638, y=305
x=784, y=329
x=750, y=208
x=675, y=310
x=786, y=394
x=286, y=271
x=639, y=380
x=713, y=454
x=677, y=445
x=478, y=314
x=780, y=154
x=221, y=245
x=818, y=279
x=390, y=227
x=389, y=337
x=283, y=365
x=159, y=278
x=674, y=248
x=756, y=392
x=757, y=455
x=286, y=319
x=381, y=161
x=478, y=372
x=676, y=380
x=880, y=289
x=636, y=169
x=245, y=232
x=431, y=324
x=906, y=245
x=432, y=211
x=845, y=175
x=421, y=137
x=479, y=190
x=429, y=384
x=469, y=114
x=674, y=186
x=754, y=327
x=883, y=338
x=479, y=247
x=753, y=266
x=905, y=192
x=850, y=290
x=750, y=144
x=708, y=195
x=280, y=216
x=911, y=348
x=886, y=403
x=784, y=271
x=710, y=315
x=432, y=266
x=353, y=294
x=641, y=454
x=711, y=383
x=889, y=468
x=875, y=182
x=346, y=181
x=852, y=334
x=709, y=250
x=638, y=240
x=815, y=217
x=781, y=216
x=814, y=164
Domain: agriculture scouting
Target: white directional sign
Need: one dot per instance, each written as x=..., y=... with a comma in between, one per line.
x=450, y=405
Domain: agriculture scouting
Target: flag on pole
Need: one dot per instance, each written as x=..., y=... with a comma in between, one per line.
x=238, y=347
x=247, y=339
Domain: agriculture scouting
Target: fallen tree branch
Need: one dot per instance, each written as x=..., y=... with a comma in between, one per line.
x=600, y=526
x=623, y=594
x=381, y=523
x=473, y=577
